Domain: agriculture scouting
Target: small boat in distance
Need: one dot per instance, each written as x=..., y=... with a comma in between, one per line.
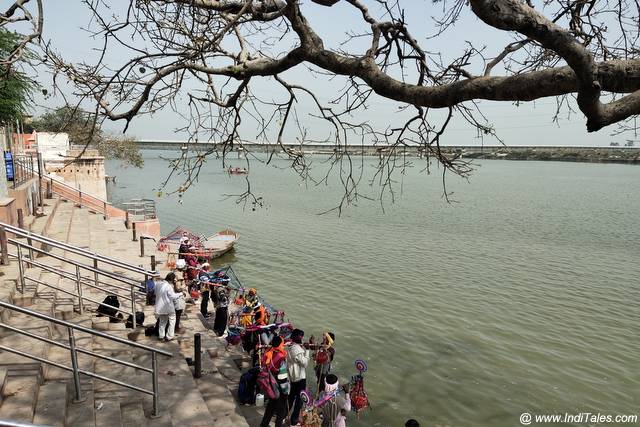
x=237, y=171
x=220, y=243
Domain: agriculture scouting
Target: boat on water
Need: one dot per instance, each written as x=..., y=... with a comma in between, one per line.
x=204, y=247
x=220, y=243
x=237, y=171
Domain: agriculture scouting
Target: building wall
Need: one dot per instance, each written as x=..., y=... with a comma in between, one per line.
x=25, y=196
x=53, y=146
x=86, y=174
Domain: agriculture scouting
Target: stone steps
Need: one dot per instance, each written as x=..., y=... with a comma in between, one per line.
x=81, y=413
x=19, y=397
x=108, y=413
x=51, y=406
x=132, y=415
x=45, y=393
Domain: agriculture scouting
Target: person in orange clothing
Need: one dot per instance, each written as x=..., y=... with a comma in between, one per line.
x=275, y=359
x=260, y=319
x=259, y=314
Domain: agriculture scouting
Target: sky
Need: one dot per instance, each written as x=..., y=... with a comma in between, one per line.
x=527, y=124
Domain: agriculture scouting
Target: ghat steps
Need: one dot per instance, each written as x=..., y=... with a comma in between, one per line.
x=35, y=392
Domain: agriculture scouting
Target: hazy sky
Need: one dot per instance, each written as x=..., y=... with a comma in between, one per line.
x=527, y=124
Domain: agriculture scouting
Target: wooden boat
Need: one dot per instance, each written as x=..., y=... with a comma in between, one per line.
x=220, y=243
x=237, y=171
x=205, y=247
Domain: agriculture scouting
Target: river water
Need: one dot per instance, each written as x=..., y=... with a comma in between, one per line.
x=523, y=296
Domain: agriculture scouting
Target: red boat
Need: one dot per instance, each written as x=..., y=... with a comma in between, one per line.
x=237, y=171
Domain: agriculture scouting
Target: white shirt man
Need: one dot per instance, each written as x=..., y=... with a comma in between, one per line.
x=165, y=307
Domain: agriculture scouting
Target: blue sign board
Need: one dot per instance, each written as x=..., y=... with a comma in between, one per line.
x=8, y=164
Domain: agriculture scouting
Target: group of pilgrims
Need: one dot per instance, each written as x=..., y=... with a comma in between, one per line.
x=279, y=353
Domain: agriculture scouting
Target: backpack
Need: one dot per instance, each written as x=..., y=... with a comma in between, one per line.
x=151, y=331
x=150, y=289
x=109, y=306
x=139, y=320
x=322, y=357
x=268, y=384
x=247, y=387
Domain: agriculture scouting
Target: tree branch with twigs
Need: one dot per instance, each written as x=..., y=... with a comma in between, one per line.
x=208, y=59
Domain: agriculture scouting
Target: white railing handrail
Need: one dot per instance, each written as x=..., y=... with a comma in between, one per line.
x=78, y=251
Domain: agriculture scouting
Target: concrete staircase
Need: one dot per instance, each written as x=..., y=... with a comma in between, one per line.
x=35, y=392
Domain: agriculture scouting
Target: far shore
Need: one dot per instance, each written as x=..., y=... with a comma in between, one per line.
x=608, y=154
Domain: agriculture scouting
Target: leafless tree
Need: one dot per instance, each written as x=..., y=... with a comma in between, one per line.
x=19, y=14
x=207, y=59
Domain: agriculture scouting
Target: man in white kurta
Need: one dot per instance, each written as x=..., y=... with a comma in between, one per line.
x=165, y=307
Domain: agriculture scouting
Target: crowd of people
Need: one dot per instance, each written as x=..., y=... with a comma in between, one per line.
x=279, y=353
x=192, y=280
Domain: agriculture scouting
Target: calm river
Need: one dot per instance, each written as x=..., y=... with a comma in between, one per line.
x=524, y=296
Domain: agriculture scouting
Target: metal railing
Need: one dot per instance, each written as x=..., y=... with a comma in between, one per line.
x=76, y=277
x=74, y=249
x=105, y=281
x=23, y=169
x=74, y=350
x=11, y=423
x=75, y=194
x=140, y=209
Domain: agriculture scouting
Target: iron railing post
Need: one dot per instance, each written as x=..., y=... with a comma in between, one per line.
x=20, y=268
x=4, y=246
x=197, y=355
x=74, y=364
x=20, y=219
x=135, y=235
x=39, y=158
x=133, y=306
x=153, y=263
x=95, y=273
x=30, y=243
x=106, y=215
x=154, y=374
x=142, y=246
x=34, y=205
x=79, y=290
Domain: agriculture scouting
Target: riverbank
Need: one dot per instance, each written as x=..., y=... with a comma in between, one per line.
x=558, y=154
